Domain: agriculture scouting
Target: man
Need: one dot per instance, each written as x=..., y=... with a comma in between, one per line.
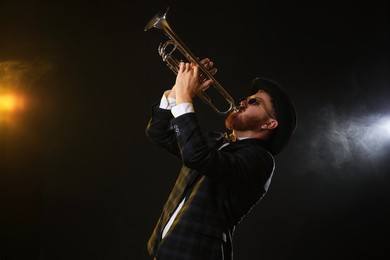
x=219, y=182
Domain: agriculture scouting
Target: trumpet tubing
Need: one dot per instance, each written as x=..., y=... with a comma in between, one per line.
x=175, y=43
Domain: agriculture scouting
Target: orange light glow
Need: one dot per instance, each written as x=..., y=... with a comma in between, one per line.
x=11, y=103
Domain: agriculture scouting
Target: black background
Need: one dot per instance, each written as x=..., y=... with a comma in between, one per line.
x=79, y=179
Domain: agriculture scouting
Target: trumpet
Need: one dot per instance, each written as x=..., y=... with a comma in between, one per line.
x=174, y=43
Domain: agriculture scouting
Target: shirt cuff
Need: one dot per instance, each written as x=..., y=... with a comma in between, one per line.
x=167, y=103
x=182, y=109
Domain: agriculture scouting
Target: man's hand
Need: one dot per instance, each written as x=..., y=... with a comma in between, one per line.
x=189, y=81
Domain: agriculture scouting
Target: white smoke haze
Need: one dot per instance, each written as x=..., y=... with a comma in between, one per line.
x=341, y=141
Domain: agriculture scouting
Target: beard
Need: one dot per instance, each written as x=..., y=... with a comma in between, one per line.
x=243, y=122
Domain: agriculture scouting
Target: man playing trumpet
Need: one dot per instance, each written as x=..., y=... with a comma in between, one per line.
x=223, y=175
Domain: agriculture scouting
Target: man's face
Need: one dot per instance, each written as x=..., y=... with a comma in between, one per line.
x=255, y=111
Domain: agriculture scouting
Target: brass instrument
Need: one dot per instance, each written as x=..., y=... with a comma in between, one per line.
x=159, y=21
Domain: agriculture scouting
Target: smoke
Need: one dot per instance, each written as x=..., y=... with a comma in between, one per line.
x=16, y=93
x=348, y=142
x=20, y=75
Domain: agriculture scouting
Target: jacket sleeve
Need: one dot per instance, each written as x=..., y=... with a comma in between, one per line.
x=160, y=131
x=243, y=162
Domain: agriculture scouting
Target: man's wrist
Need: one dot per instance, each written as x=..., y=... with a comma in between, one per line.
x=182, y=108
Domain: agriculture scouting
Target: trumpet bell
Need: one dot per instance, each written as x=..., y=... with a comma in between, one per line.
x=157, y=20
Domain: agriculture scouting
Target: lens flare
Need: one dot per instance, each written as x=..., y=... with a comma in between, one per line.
x=11, y=103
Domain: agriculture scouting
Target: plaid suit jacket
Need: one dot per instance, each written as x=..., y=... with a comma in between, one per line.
x=222, y=187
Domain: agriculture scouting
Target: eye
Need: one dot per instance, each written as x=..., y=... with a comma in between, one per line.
x=253, y=101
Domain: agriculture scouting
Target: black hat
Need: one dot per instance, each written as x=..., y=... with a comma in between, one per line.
x=285, y=110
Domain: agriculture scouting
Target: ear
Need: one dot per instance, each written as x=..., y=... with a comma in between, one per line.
x=270, y=124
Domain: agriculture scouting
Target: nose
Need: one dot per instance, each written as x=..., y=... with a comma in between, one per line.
x=244, y=103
